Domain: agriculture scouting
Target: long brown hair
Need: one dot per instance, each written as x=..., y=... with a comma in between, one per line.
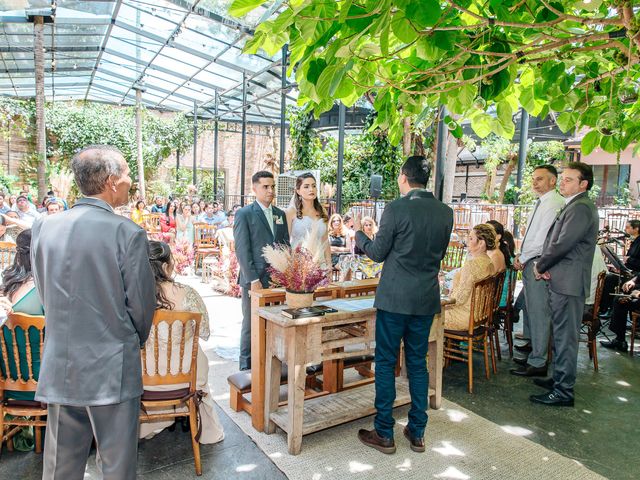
x=297, y=200
x=342, y=230
x=159, y=256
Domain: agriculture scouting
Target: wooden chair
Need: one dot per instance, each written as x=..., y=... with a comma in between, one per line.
x=461, y=219
x=151, y=223
x=7, y=254
x=157, y=371
x=504, y=314
x=205, y=242
x=23, y=413
x=454, y=257
x=476, y=336
x=591, y=322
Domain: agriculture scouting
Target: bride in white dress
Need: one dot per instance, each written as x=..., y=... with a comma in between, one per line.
x=307, y=215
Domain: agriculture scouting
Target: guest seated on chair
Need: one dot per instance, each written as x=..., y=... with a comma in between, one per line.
x=502, y=255
x=368, y=267
x=20, y=296
x=622, y=306
x=477, y=267
x=631, y=261
x=339, y=240
x=175, y=296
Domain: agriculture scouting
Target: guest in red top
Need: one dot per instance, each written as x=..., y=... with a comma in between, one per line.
x=168, y=224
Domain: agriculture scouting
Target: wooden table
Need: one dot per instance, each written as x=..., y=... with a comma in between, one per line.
x=305, y=341
x=260, y=298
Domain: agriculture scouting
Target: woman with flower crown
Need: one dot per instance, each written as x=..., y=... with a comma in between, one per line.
x=306, y=215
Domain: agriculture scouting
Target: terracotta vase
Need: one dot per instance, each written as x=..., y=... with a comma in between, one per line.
x=298, y=299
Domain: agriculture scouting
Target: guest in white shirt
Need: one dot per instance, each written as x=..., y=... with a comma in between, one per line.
x=24, y=210
x=537, y=318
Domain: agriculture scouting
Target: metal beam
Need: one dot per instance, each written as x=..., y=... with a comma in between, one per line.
x=522, y=158
x=441, y=153
x=215, y=149
x=283, y=107
x=243, y=158
x=342, y=114
x=69, y=48
x=195, y=141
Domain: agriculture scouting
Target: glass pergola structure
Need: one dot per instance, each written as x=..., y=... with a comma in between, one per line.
x=183, y=55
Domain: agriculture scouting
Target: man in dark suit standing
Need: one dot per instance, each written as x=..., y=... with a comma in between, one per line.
x=412, y=241
x=566, y=264
x=256, y=226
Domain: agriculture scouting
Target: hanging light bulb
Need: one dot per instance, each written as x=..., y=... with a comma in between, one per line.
x=480, y=103
x=452, y=125
x=628, y=91
x=609, y=124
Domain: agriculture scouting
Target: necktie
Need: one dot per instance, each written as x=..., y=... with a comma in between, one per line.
x=533, y=215
x=268, y=213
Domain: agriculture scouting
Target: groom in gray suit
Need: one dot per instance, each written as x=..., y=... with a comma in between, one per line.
x=565, y=264
x=91, y=269
x=256, y=226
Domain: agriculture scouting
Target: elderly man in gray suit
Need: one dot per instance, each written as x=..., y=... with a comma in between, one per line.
x=256, y=226
x=412, y=241
x=91, y=269
x=565, y=264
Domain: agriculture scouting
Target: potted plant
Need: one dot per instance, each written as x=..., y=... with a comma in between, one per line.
x=300, y=270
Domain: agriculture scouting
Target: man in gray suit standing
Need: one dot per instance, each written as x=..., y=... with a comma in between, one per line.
x=256, y=226
x=565, y=263
x=92, y=273
x=412, y=241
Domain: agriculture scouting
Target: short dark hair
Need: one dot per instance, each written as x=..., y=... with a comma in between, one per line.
x=635, y=224
x=417, y=171
x=586, y=172
x=261, y=174
x=549, y=168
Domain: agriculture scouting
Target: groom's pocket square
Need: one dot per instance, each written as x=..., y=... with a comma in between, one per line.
x=278, y=220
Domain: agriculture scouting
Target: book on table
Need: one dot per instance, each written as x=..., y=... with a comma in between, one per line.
x=314, y=311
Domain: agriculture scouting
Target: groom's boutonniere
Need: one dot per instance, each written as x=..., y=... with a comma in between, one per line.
x=277, y=220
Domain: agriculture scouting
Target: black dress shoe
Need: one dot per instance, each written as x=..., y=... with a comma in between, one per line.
x=523, y=348
x=552, y=398
x=520, y=361
x=416, y=444
x=615, y=344
x=529, y=371
x=544, y=383
x=371, y=439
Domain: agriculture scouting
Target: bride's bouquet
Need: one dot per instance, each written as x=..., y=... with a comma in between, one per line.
x=301, y=268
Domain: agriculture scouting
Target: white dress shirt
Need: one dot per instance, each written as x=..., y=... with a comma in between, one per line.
x=539, y=223
x=597, y=267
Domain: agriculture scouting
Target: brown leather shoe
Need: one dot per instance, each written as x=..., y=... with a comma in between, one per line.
x=416, y=444
x=371, y=439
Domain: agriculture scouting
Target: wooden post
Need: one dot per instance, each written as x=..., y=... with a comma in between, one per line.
x=141, y=187
x=41, y=141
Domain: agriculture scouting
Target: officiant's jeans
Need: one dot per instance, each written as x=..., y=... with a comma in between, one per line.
x=414, y=331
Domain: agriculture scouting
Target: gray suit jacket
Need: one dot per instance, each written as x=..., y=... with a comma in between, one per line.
x=251, y=233
x=569, y=247
x=91, y=270
x=412, y=241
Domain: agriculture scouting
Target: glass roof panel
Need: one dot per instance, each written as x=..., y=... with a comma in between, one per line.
x=182, y=54
x=170, y=64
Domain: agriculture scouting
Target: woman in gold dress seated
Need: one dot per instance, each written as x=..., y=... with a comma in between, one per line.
x=477, y=266
x=171, y=295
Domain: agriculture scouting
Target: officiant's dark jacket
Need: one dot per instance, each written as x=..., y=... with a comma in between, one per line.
x=412, y=241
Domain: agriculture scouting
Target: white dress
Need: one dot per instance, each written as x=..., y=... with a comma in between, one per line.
x=300, y=227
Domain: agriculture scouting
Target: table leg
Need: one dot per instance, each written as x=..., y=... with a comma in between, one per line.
x=258, y=340
x=273, y=367
x=435, y=365
x=296, y=349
